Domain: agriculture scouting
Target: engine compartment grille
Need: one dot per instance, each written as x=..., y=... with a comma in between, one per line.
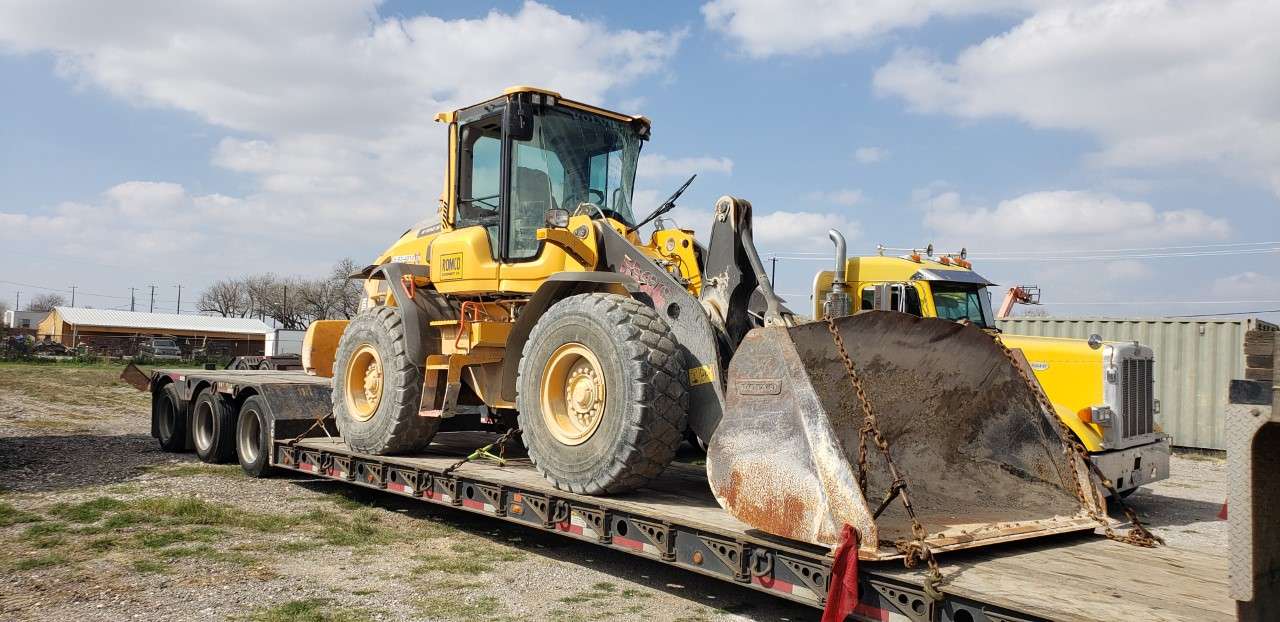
x=1137, y=396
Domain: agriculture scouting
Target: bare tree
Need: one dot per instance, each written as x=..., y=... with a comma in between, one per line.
x=349, y=289
x=46, y=302
x=228, y=298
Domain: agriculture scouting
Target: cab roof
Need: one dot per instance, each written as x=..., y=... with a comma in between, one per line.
x=448, y=117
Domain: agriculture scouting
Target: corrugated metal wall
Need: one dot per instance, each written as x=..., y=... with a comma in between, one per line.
x=1195, y=361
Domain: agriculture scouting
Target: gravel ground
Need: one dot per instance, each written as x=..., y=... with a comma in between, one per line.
x=96, y=523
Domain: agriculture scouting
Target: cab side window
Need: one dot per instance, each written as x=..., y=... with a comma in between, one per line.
x=480, y=178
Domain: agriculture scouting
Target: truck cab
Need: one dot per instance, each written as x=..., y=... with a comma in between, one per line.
x=1103, y=391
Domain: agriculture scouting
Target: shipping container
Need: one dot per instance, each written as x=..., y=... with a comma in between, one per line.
x=1196, y=358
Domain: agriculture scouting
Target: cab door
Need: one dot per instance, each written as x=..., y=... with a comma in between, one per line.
x=538, y=181
x=464, y=259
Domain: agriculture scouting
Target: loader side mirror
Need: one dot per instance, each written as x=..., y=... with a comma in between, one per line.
x=518, y=119
x=557, y=219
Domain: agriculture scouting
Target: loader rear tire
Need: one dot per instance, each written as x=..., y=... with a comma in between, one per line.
x=585, y=346
x=377, y=389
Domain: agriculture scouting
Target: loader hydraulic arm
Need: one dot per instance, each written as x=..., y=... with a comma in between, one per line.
x=733, y=272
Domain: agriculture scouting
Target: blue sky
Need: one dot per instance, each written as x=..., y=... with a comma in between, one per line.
x=141, y=145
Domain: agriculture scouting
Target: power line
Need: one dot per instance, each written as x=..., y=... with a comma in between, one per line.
x=1227, y=313
x=1165, y=302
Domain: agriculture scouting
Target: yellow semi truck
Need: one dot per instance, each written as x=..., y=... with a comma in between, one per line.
x=1102, y=390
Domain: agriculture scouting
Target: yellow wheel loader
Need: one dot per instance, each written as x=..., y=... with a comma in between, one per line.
x=532, y=300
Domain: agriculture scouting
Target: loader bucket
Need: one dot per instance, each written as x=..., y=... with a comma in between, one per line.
x=982, y=460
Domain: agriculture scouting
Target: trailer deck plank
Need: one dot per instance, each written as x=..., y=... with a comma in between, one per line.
x=1067, y=577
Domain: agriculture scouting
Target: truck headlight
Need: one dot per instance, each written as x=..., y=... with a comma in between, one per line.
x=1101, y=415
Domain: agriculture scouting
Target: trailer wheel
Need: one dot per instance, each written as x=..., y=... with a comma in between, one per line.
x=171, y=422
x=377, y=389
x=253, y=447
x=212, y=428
x=601, y=394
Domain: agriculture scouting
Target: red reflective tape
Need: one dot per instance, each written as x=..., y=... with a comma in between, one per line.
x=398, y=487
x=773, y=583
x=475, y=505
x=868, y=612
x=569, y=527
x=629, y=543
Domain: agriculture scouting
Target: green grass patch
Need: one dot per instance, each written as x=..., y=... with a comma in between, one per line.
x=634, y=593
x=206, y=552
x=46, y=534
x=10, y=515
x=359, y=528
x=309, y=610
x=40, y=561
x=461, y=608
x=86, y=511
x=148, y=566
x=103, y=544
x=471, y=557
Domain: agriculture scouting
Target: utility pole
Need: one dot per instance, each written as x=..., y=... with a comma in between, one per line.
x=153, y=299
x=179, y=300
x=73, y=295
x=773, y=271
x=132, y=300
x=17, y=302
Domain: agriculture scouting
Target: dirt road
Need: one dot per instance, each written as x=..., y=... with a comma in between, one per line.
x=96, y=523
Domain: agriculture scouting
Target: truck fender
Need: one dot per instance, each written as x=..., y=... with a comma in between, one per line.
x=1088, y=437
x=557, y=287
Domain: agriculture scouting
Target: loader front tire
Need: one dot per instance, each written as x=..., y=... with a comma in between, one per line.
x=377, y=389
x=601, y=394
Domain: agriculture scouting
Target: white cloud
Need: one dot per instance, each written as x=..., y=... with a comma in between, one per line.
x=768, y=28
x=845, y=197
x=328, y=107
x=1157, y=82
x=1067, y=219
x=654, y=166
x=779, y=230
x=1247, y=285
x=870, y=155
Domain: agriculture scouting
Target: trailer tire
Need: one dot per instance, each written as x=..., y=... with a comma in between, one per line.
x=171, y=421
x=373, y=350
x=253, y=442
x=585, y=346
x=212, y=428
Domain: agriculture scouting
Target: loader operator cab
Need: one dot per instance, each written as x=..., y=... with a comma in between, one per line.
x=527, y=153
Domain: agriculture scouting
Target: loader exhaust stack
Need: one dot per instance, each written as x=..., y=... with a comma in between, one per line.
x=981, y=458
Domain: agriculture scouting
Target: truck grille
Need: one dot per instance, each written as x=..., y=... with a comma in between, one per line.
x=1137, y=399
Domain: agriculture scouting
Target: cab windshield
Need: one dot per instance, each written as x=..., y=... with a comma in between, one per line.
x=573, y=158
x=963, y=302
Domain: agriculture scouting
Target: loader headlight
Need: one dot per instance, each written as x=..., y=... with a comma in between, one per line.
x=1101, y=415
x=557, y=218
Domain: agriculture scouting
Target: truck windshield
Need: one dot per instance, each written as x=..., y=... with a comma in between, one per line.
x=164, y=343
x=573, y=157
x=956, y=302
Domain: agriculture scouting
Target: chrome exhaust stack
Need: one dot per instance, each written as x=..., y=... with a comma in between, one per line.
x=837, y=302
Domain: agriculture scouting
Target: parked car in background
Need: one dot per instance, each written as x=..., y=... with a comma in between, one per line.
x=160, y=348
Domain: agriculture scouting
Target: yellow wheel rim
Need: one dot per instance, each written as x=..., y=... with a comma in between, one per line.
x=573, y=394
x=364, y=383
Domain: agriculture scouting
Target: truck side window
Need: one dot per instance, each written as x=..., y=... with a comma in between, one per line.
x=910, y=305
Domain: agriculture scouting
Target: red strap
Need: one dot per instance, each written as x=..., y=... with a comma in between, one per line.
x=842, y=595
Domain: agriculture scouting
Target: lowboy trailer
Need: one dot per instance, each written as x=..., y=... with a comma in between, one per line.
x=282, y=421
